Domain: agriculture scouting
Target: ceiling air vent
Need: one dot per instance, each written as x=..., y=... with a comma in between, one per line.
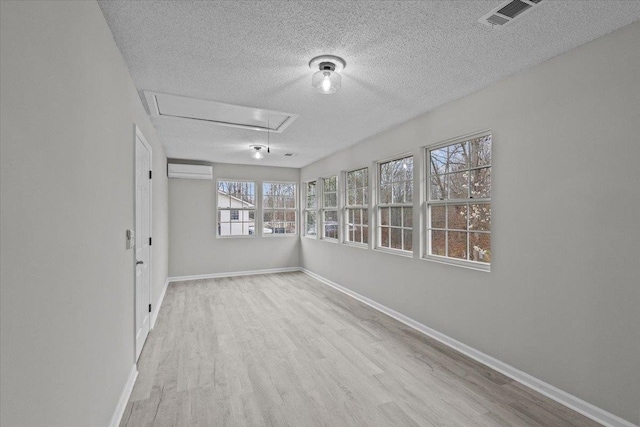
x=218, y=113
x=507, y=12
x=497, y=20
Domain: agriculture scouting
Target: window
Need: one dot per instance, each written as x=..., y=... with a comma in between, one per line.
x=459, y=200
x=330, y=208
x=236, y=208
x=279, y=208
x=395, y=205
x=356, y=206
x=310, y=213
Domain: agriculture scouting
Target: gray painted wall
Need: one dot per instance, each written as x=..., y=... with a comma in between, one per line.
x=562, y=300
x=192, y=227
x=68, y=109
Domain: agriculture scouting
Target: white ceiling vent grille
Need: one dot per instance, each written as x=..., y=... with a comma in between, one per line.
x=507, y=12
x=182, y=107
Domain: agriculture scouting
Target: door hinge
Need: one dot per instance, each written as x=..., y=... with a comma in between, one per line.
x=149, y=308
x=150, y=174
x=149, y=241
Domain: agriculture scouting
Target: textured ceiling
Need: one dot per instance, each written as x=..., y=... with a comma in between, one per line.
x=403, y=58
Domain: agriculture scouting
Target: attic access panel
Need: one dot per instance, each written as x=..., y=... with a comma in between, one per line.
x=182, y=107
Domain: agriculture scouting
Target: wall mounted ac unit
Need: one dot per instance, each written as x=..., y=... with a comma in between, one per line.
x=176, y=170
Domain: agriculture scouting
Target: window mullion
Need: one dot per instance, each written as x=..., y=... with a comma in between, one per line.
x=468, y=232
x=258, y=223
x=446, y=231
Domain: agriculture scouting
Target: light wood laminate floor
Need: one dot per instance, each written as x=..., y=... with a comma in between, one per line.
x=286, y=350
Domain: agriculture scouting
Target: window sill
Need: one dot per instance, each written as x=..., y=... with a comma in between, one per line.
x=329, y=240
x=356, y=245
x=398, y=252
x=310, y=237
x=470, y=265
x=243, y=236
x=279, y=235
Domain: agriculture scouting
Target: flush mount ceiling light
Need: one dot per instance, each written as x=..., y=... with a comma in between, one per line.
x=257, y=151
x=327, y=79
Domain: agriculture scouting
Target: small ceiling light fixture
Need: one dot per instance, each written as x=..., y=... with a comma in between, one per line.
x=327, y=79
x=257, y=153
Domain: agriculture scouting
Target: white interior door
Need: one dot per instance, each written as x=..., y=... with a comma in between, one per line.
x=142, y=242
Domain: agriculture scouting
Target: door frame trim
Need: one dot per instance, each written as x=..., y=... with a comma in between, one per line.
x=138, y=134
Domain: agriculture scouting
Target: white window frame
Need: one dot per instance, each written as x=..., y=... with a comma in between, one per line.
x=364, y=209
x=428, y=203
x=310, y=209
x=380, y=205
x=285, y=209
x=325, y=209
x=219, y=210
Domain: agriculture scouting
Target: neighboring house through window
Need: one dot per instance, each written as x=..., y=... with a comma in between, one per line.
x=236, y=208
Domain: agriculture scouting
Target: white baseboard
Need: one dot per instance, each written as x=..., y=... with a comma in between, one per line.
x=585, y=408
x=234, y=273
x=124, y=398
x=158, y=304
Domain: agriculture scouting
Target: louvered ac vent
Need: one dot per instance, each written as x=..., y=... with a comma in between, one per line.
x=508, y=12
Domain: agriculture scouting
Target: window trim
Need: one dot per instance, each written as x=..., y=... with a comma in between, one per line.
x=306, y=209
x=378, y=205
x=218, y=209
x=426, y=180
x=263, y=209
x=346, y=207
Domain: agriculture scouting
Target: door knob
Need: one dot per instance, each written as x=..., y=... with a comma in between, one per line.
x=139, y=262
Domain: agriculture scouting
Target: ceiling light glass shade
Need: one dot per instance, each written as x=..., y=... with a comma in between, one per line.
x=257, y=151
x=326, y=81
